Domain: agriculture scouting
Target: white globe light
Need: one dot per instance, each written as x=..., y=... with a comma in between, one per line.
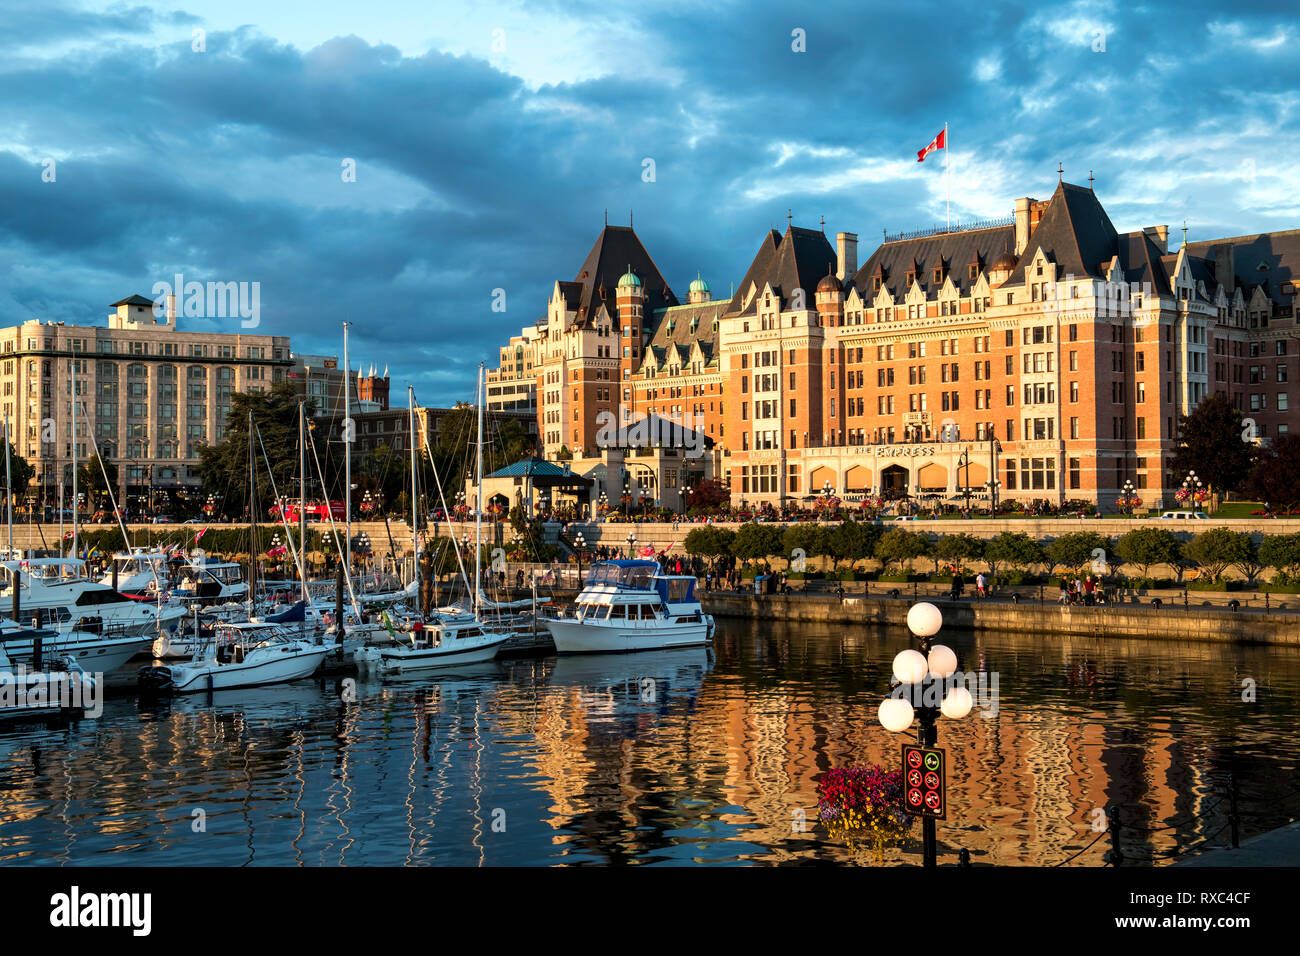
x=942, y=661
x=910, y=667
x=895, y=714
x=956, y=704
x=924, y=619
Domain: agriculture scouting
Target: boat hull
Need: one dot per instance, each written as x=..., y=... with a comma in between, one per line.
x=93, y=656
x=404, y=660
x=590, y=637
x=207, y=676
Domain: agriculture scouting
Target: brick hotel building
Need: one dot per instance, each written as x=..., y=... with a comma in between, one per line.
x=1046, y=356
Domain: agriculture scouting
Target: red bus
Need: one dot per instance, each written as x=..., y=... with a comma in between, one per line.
x=316, y=511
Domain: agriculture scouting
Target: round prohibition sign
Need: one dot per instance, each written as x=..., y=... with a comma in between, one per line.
x=932, y=800
x=914, y=777
x=914, y=797
x=932, y=780
x=914, y=758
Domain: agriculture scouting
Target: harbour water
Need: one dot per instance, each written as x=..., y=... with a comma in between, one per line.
x=684, y=757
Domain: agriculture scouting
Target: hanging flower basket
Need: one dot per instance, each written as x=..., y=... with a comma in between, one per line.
x=863, y=806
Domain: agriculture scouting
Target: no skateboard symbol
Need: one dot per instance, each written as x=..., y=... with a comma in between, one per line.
x=926, y=790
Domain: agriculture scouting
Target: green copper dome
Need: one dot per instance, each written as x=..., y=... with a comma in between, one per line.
x=630, y=280
x=699, y=285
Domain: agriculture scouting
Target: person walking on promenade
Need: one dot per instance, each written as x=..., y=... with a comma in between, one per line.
x=1089, y=590
x=979, y=585
x=957, y=585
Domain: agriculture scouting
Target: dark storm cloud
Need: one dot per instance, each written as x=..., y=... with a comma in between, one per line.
x=225, y=164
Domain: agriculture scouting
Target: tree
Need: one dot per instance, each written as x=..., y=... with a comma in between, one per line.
x=707, y=494
x=1211, y=444
x=757, y=542
x=709, y=541
x=1146, y=547
x=1216, y=550
x=1281, y=551
x=20, y=471
x=901, y=545
x=1074, y=549
x=958, y=549
x=810, y=540
x=852, y=541
x=90, y=478
x=1275, y=479
x=1013, y=548
x=224, y=466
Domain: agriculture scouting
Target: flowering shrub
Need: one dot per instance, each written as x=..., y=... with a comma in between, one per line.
x=863, y=805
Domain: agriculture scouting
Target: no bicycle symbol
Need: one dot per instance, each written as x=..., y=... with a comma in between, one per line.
x=926, y=791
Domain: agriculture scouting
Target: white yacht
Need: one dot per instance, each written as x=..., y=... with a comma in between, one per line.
x=54, y=592
x=630, y=605
x=204, y=581
x=97, y=653
x=139, y=573
x=246, y=654
x=59, y=687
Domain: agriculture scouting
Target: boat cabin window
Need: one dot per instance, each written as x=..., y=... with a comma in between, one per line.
x=637, y=575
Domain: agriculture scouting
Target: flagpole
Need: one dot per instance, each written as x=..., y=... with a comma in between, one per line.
x=947, y=166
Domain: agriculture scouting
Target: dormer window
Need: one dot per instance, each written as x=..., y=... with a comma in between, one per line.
x=938, y=275
x=1040, y=266
x=875, y=284
x=974, y=271
x=911, y=277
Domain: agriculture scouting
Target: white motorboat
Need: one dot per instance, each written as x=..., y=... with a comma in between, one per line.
x=629, y=605
x=433, y=645
x=94, y=652
x=247, y=654
x=204, y=581
x=139, y=573
x=54, y=592
x=61, y=687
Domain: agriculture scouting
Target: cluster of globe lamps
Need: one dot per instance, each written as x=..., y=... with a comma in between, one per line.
x=912, y=667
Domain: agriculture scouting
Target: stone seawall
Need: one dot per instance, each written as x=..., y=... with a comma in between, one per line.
x=1121, y=621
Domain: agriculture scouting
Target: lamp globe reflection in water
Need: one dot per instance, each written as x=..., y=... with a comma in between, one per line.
x=934, y=663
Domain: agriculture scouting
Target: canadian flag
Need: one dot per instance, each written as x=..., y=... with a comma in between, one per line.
x=200, y=535
x=939, y=142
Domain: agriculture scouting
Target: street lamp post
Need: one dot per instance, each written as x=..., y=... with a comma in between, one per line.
x=991, y=489
x=1191, y=485
x=580, y=545
x=631, y=544
x=926, y=674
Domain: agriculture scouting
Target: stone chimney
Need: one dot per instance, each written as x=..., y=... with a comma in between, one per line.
x=1160, y=236
x=846, y=251
x=1023, y=225
x=1225, y=266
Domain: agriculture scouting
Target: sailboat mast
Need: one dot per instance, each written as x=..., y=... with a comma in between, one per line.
x=73, y=552
x=302, y=496
x=415, y=499
x=252, y=519
x=347, y=453
x=478, y=507
x=9, y=491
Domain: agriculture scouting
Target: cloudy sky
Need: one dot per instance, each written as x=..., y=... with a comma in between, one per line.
x=209, y=137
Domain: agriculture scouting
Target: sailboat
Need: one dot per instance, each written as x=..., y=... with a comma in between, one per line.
x=442, y=640
x=250, y=653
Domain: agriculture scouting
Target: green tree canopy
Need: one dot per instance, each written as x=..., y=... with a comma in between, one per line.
x=1216, y=550
x=1074, y=549
x=1212, y=443
x=958, y=548
x=757, y=542
x=852, y=541
x=1145, y=548
x=709, y=541
x=1281, y=551
x=1012, y=548
x=901, y=545
x=20, y=471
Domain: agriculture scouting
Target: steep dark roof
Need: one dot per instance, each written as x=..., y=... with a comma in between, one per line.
x=955, y=251
x=616, y=250
x=1143, y=262
x=796, y=260
x=132, y=300
x=1277, y=252
x=1074, y=232
x=673, y=327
